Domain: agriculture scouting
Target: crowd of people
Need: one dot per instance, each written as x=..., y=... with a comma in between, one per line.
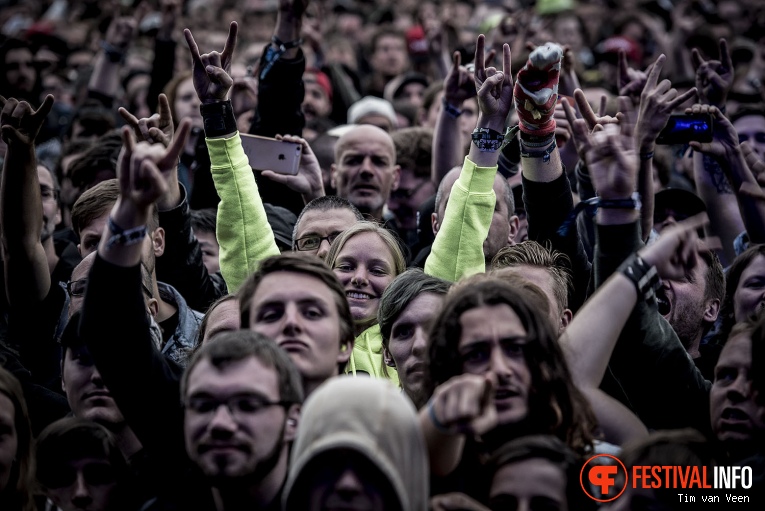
x=489, y=266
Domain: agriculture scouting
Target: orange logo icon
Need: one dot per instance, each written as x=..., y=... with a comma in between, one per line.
x=602, y=471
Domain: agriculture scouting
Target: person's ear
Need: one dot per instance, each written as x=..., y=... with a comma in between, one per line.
x=346, y=349
x=565, y=319
x=388, y=358
x=158, y=241
x=152, y=307
x=434, y=222
x=333, y=176
x=712, y=310
x=515, y=225
x=292, y=423
x=396, y=177
x=58, y=215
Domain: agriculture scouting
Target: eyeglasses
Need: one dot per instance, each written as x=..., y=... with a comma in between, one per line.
x=78, y=287
x=239, y=406
x=313, y=241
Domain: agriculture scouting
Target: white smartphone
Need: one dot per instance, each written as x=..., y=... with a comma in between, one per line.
x=270, y=154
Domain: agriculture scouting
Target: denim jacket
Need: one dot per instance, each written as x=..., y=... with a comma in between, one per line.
x=183, y=341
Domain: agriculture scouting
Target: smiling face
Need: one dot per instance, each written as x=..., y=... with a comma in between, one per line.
x=749, y=297
x=408, y=344
x=365, y=169
x=300, y=314
x=86, y=393
x=736, y=417
x=493, y=342
x=225, y=443
x=365, y=267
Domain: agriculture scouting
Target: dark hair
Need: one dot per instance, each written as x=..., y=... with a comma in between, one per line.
x=95, y=120
x=748, y=111
x=556, y=406
x=102, y=155
x=325, y=203
x=203, y=220
x=32, y=97
x=97, y=201
x=71, y=439
x=22, y=474
x=551, y=449
x=682, y=447
x=304, y=264
x=414, y=150
x=231, y=347
x=206, y=319
x=531, y=253
x=401, y=292
x=385, y=31
x=732, y=280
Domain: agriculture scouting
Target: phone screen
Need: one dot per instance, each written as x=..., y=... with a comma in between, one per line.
x=681, y=129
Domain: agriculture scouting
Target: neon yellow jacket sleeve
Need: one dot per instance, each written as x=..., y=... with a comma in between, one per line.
x=367, y=356
x=457, y=251
x=243, y=232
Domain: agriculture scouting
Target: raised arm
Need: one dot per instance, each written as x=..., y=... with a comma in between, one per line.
x=448, y=151
x=105, y=80
x=27, y=271
x=243, y=232
x=114, y=300
x=458, y=247
x=714, y=79
x=657, y=102
x=181, y=265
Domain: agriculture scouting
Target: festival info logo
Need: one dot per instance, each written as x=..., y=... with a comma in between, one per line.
x=603, y=478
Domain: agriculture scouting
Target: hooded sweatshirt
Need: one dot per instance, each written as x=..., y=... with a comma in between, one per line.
x=372, y=418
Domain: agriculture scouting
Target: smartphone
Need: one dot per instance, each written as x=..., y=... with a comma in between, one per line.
x=270, y=154
x=681, y=129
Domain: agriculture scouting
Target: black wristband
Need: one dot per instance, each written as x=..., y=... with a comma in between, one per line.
x=645, y=277
x=218, y=118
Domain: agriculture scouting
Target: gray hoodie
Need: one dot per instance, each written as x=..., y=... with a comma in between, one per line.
x=373, y=418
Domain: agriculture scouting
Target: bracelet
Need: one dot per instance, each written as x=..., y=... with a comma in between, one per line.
x=453, y=111
x=591, y=207
x=545, y=154
x=218, y=118
x=488, y=140
x=440, y=426
x=125, y=237
x=646, y=156
x=273, y=54
x=645, y=277
x=113, y=53
x=632, y=203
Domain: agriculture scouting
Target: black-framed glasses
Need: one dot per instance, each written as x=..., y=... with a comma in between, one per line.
x=239, y=406
x=313, y=241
